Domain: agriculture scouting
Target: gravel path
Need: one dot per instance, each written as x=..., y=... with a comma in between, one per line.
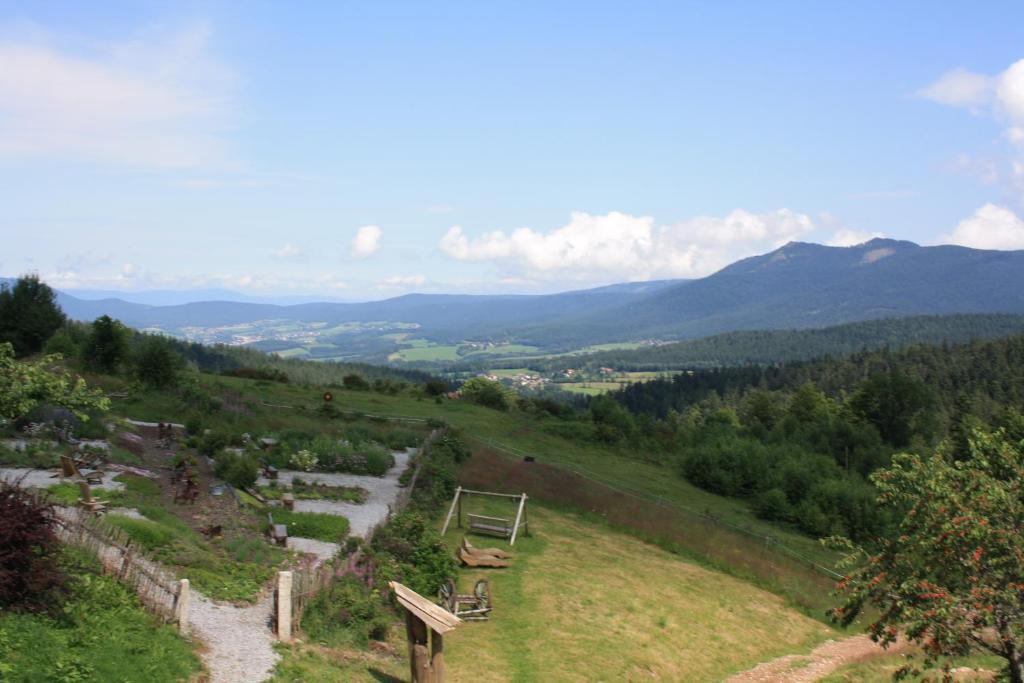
x=41, y=479
x=126, y=512
x=820, y=662
x=322, y=549
x=238, y=639
x=383, y=492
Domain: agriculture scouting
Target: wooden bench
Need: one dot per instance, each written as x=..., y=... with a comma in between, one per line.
x=494, y=526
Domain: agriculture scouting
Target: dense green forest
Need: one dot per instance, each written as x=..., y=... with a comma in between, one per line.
x=987, y=375
x=766, y=347
x=799, y=440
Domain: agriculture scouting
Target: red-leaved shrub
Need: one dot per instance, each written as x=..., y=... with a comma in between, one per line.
x=31, y=579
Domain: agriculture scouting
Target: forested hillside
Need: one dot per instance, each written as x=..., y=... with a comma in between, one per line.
x=766, y=347
x=988, y=374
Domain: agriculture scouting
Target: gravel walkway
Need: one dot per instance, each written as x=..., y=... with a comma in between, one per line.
x=126, y=512
x=322, y=549
x=820, y=662
x=41, y=479
x=238, y=639
x=383, y=492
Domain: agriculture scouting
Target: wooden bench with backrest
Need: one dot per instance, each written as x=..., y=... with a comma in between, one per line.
x=494, y=526
x=69, y=469
x=89, y=503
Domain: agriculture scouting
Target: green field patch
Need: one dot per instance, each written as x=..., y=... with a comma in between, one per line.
x=318, y=525
x=428, y=353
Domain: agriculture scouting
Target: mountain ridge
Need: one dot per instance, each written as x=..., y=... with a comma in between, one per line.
x=799, y=285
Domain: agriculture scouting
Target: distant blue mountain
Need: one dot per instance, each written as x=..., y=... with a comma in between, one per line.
x=797, y=286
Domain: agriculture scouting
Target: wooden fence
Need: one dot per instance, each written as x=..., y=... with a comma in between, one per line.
x=159, y=592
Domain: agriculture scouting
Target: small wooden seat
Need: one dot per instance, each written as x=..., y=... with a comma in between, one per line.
x=88, y=502
x=288, y=500
x=278, y=532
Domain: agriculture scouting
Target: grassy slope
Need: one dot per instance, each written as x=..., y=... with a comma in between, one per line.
x=102, y=635
x=522, y=433
x=581, y=603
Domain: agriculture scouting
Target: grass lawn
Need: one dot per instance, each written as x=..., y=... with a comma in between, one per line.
x=583, y=603
x=318, y=525
x=101, y=634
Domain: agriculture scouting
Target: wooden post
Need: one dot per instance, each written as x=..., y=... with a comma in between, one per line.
x=181, y=607
x=437, y=656
x=519, y=516
x=451, y=511
x=284, y=607
x=425, y=623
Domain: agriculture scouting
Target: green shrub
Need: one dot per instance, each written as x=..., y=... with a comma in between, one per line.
x=346, y=612
x=409, y=549
x=397, y=439
x=92, y=428
x=486, y=392
x=241, y=471
x=772, y=505
x=158, y=364
x=378, y=460
x=355, y=382
x=212, y=442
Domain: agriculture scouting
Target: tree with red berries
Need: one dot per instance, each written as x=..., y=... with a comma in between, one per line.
x=952, y=577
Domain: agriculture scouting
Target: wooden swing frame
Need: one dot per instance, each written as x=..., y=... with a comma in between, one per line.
x=509, y=532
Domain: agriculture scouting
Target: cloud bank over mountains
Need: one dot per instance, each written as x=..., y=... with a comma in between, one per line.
x=620, y=246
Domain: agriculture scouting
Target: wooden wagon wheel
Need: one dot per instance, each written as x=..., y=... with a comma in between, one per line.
x=446, y=594
x=482, y=591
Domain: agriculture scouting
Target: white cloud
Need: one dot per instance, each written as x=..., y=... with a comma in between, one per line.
x=157, y=101
x=131, y=277
x=621, y=246
x=960, y=88
x=1002, y=96
x=366, y=241
x=990, y=227
x=849, y=238
x=1010, y=92
x=402, y=281
x=289, y=252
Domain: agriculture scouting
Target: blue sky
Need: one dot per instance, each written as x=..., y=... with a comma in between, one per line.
x=363, y=150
